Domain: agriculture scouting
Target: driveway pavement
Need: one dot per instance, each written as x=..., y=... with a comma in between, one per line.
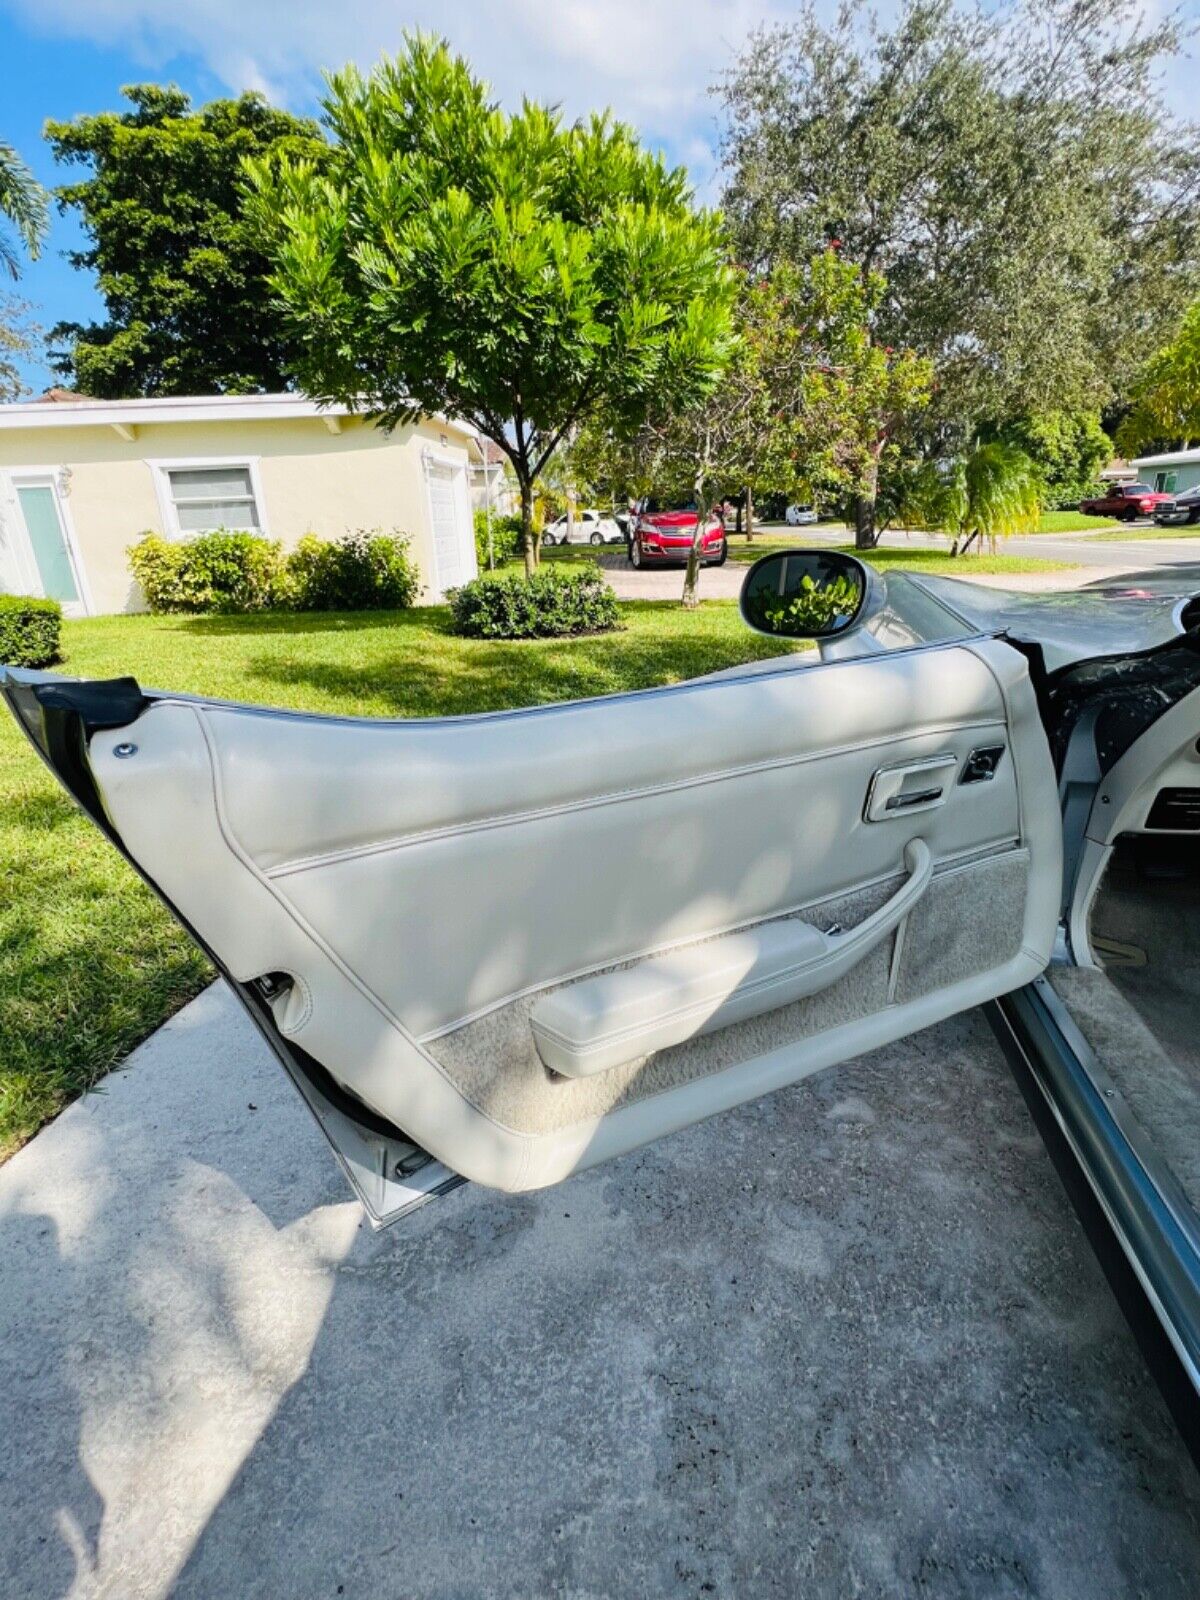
x=847, y=1341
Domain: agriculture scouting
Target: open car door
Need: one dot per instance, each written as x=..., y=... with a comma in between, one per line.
x=526, y=942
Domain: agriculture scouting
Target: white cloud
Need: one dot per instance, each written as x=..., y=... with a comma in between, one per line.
x=651, y=60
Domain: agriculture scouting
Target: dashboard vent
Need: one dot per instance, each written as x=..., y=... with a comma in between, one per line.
x=1178, y=809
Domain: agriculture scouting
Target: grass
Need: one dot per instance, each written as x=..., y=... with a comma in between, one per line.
x=915, y=557
x=1072, y=522
x=90, y=963
x=1190, y=530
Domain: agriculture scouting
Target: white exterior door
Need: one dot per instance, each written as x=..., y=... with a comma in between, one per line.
x=37, y=554
x=450, y=526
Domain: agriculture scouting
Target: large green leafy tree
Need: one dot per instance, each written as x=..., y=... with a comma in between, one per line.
x=1068, y=448
x=508, y=269
x=811, y=403
x=1012, y=170
x=181, y=270
x=1165, y=408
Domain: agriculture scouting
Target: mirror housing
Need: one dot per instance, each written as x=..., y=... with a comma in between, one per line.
x=806, y=594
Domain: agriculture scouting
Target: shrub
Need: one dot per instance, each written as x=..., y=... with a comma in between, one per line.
x=361, y=571
x=506, y=538
x=217, y=571
x=226, y=572
x=552, y=604
x=29, y=631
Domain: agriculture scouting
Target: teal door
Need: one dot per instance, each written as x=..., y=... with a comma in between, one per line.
x=48, y=542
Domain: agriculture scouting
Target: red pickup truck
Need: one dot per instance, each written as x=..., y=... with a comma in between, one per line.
x=1126, y=501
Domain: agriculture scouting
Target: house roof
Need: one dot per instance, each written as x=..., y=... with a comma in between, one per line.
x=1172, y=458
x=62, y=409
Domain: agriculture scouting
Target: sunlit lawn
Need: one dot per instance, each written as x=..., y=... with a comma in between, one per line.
x=915, y=557
x=89, y=961
x=1151, y=530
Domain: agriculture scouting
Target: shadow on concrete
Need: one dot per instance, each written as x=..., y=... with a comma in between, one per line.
x=846, y=1340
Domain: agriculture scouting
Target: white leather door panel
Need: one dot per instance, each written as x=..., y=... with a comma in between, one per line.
x=426, y=884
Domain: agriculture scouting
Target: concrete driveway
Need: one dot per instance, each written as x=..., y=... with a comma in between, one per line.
x=848, y=1340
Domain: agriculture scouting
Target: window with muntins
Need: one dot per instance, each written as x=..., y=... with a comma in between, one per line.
x=213, y=497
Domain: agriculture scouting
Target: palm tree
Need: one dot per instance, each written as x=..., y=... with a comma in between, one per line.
x=992, y=491
x=24, y=203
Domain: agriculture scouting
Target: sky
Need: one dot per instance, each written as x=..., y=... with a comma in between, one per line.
x=653, y=61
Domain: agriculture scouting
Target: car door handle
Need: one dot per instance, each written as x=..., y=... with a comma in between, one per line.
x=911, y=786
x=919, y=797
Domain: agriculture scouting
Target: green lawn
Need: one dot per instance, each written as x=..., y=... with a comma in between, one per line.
x=1072, y=522
x=1190, y=530
x=916, y=557
x=89, y=962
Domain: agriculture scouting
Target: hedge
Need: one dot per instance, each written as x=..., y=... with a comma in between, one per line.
x=556, y=602
x=236, y=572
x=506, y=538
x=29, y=631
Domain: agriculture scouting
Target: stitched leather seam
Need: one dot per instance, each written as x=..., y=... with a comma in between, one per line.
x=614, y=797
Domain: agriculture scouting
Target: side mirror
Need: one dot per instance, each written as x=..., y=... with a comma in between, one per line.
x=804, y=594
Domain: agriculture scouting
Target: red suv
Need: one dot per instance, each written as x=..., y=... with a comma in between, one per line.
x=666, y=536
x=1125, y=500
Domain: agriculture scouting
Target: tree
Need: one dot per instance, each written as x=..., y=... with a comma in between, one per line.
x=809, y=403
x=1012, y=170
x=988, y=493
x=513, y=271
x=1068, y=448
x=181, y=270
x=23, y=204
x=19, y=340
x=1165, y=400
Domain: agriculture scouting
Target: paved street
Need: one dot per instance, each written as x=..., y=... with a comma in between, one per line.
x=848, y=1340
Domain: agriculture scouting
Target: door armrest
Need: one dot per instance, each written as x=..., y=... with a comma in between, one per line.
x=603, y=1022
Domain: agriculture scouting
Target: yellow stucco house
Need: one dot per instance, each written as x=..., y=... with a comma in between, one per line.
x=81, y=480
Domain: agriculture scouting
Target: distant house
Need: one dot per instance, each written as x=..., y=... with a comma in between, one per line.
x=492, y=480
x=81, y=480
x=1170, y=473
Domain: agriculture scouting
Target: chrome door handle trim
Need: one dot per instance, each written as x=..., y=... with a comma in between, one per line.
x=921, y=797
x=887, y=797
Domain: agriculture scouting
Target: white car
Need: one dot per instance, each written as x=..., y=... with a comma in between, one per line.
x=799, y=516
x=510, y=946
x=591, y=527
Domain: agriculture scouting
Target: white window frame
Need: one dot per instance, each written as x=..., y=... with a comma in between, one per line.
x=161, y=467
x=57, y=478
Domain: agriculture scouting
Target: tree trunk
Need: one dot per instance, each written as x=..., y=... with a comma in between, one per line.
x=737, y=521
x=528, y=538
x=866, y=536
x=691, y=578
x=749, y=515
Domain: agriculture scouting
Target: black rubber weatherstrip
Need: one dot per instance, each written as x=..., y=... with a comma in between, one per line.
x=1122, y=1214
